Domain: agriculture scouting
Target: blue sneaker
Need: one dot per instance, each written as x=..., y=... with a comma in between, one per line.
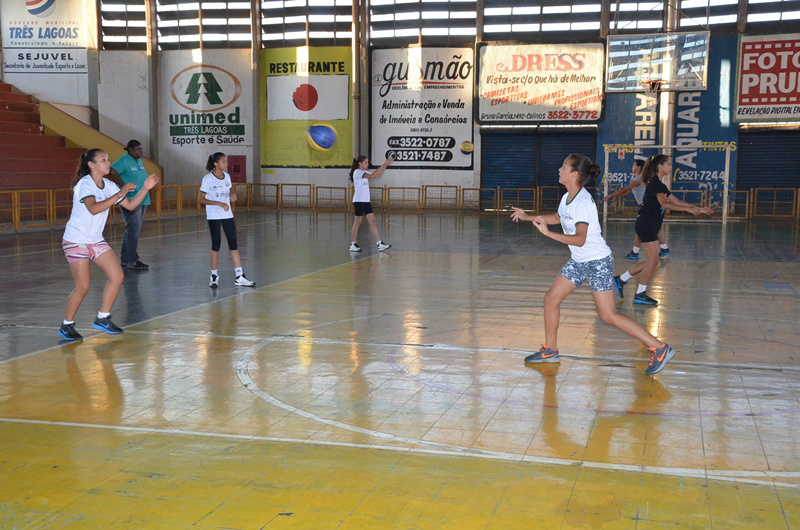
x=664, y=252
x=67, y=332
x=105, y=324
x=618, y=285
x=632, y=255
x=658, y=358
x=544, y=355
x=642, y=298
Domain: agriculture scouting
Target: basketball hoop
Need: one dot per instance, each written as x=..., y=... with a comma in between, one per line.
x=651, y=87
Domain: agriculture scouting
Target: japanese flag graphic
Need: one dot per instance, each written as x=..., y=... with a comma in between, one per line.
x=313, y=97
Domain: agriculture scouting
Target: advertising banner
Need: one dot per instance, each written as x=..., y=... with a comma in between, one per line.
x=308, y=110
x=768, y=78
x=540, y=83
x=44, y=48
x=422, y=107
x=204, y=108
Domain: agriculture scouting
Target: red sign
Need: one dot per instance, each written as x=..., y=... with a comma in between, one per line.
x=769, y=78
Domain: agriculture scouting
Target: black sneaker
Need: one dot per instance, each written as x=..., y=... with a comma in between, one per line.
x=105, y=324
x=137, y=266
x=664, y=252
x=618, y=285
x=67, y=332
x=642, y=298
x=632, y=255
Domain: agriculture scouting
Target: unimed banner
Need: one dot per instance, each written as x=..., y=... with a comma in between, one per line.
x=768, y=80
x=422, y=107
x=540, y=83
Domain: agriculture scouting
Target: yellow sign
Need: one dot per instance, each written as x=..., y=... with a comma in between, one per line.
x=307, y=107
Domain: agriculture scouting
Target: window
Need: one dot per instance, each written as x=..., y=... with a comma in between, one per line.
x=306, y=22
x=507, y=20
x=123, y=25
x=448, y=22
x=184, y=24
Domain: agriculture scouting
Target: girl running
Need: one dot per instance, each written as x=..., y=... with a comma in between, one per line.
x=361, y=206
x=590, y=260
x=216, y=193
x=92, y=196
x=636, y=187
x=657, y=199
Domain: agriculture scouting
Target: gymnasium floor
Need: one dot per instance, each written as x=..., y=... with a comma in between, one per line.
x=388, y=390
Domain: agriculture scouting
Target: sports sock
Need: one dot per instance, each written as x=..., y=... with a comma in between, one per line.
x=664, y=246
x=67, y=322
x=215, y=272
x=100, y=314
x=641, y=289
x=635, y=250
x=625, y=276
x=238, y=271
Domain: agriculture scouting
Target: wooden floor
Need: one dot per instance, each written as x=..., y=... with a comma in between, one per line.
x=387, y=390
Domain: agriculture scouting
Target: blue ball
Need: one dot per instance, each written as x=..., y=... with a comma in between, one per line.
x=321, y=137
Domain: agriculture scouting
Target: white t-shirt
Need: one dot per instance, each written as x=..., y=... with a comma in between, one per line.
x=361, y=186
x=83, y=226
x=582, y=209
x=219, y=190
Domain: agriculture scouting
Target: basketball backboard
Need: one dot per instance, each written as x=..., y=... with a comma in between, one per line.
x=678, y=60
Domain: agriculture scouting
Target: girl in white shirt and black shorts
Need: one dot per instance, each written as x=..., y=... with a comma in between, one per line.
x=216, y=193
x=591, y=261
x=361, y=200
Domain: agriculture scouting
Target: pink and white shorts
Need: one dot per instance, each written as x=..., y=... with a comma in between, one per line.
x=80, y=251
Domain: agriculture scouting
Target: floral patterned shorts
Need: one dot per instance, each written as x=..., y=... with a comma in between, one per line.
x=599, y=272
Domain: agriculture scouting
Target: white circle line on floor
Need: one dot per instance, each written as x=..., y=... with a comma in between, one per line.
x=745, y=476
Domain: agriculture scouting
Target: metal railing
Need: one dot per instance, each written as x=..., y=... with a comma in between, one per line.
x=444, y=198
x=774, y=202
x=37, y=208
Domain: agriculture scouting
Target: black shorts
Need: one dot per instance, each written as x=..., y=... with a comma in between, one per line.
x=647, y=231
x=362, y=208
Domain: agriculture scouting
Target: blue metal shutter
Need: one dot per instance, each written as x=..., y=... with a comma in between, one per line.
x=508, y=159
x=768, y=159
x=556, y=146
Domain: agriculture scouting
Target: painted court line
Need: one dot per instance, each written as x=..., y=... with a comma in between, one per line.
x=742, y=477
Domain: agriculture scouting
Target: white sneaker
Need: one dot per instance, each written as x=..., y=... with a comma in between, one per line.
x=354, y=247
x=383, y=246
x=241, y=281
x=214, y=281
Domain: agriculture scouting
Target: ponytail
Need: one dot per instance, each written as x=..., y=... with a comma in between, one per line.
x=651, y=167
x=356, y=162
x=83, y=165
x=213, y=159
x=582, y=164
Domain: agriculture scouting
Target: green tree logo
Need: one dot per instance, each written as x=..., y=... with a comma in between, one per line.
x=206, y=83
